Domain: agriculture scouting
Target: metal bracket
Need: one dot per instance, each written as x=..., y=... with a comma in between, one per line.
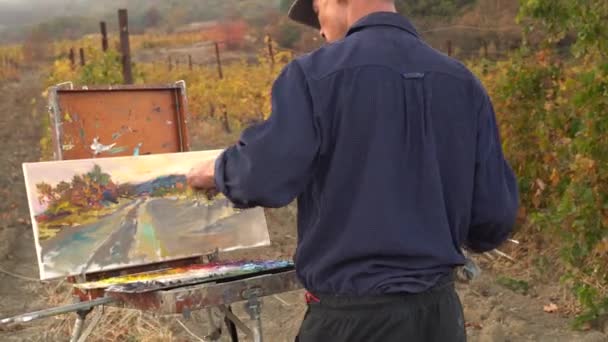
x=216, y=329
x=213, y=257
x=232, y=317
x=187, y=314
x=253, y=306
x=79, y=324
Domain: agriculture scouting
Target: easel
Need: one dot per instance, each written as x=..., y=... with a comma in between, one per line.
x=149, y=119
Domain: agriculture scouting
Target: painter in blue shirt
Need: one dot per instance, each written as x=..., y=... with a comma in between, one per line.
x=393, y=154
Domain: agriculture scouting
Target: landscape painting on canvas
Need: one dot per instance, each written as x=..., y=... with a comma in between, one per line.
x=99, y=214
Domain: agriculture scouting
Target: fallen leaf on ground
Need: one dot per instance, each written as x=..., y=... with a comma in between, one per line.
x=550, y=308
x=473, y=325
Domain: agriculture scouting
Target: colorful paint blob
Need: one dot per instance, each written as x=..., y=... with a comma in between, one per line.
x=150, y=281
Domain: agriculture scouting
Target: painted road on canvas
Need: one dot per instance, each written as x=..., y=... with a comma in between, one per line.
x=140, y=231
x=92, y=215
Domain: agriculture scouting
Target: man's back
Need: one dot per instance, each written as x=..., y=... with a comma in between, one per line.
x=393, y=153
x=406, y=135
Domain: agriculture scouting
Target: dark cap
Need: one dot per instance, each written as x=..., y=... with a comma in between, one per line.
x=302, y=12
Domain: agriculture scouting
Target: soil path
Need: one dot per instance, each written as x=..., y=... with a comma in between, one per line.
x=21, y=111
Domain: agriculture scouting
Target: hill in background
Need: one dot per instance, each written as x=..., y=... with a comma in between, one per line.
x=468, y=24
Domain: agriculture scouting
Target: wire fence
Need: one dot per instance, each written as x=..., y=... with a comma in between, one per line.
x=490, y=49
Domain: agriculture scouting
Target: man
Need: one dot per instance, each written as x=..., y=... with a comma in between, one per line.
x=393, y=153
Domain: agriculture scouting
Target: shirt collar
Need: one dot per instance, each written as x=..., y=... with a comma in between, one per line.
x=383, y=19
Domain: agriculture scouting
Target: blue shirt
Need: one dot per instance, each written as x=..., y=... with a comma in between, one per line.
x=393, y=153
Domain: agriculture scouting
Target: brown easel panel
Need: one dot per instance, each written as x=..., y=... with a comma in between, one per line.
x=118, y=121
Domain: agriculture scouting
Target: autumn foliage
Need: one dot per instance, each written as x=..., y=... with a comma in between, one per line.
x=230, y=33
x=552, y=104
x=90, y=191
x=11, y=58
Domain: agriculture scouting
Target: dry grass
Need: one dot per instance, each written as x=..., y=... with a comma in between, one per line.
x=114, y=324
x=538, y=262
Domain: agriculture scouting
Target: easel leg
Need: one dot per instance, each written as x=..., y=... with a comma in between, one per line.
x=79, y=324
x=254, y=308
x=216, y=330
x=234, y=336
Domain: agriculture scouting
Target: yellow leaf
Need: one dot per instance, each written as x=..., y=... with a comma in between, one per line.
x=554, y=178
x=541, y=184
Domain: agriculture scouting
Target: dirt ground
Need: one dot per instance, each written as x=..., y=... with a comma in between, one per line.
x=494, y=312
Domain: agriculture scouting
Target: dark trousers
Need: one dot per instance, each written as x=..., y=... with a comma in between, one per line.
x=432, y=316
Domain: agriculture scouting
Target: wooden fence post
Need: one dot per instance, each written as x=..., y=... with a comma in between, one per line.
x=485, y=49
x=125, y=49
x=82, y=61
x=190, y=62
x=270, y=51
x=225, y=119
x=104, y=36
x=449, y=48
x=219, y=61
x=72, y=58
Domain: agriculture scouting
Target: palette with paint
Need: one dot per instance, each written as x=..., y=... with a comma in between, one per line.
x=183, y=276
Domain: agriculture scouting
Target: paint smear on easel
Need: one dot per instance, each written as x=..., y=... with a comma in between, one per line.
x=98, y=147
x=117, y=150
x=136, y=149
x=149, y=281
x=124, y=129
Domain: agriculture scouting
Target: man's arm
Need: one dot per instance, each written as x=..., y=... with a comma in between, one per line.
x=496, y=196
x=274, y=161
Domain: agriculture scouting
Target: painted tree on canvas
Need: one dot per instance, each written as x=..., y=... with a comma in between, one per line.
x=88, y=195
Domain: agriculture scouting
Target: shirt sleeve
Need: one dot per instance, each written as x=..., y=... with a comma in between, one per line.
x=496, y=196
x=273, y=161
